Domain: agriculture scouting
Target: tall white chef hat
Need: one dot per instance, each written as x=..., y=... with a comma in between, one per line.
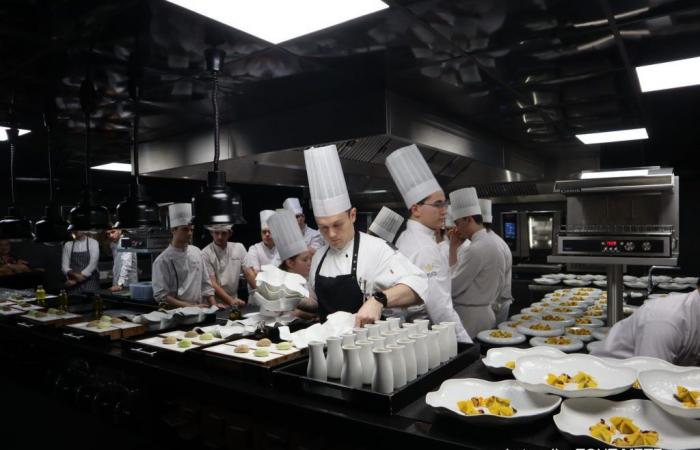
x=449, y=218
x=294, y=205
x=264, y=217
x=386, y=224
x=411, y=174
x=485, y=205
x=329, y=193
x=288, y=238
x=180, y=214
x=464, y=203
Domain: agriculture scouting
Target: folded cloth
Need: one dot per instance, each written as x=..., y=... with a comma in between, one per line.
x=274, y=283
x=230, y=329
x=336, y=324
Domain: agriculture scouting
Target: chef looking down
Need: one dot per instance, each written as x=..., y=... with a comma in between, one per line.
x=427, y=205
x=262, y=253
x=477, y=279
x=352, y=265
x=124, y=269
x=179, y=276
x=224, y=263
x=79, y=263
x=501, y=307
x=291, y=244
x=312, y=237
x=667, y=328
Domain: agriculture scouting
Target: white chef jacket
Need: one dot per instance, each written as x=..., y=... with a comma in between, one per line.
x=477, y=282
x=666, y=328
x=259, y=255
x=379, y=267
x=417, y=242
x=124, y=270
x=81, y=245
x=503, y=303
x=445, y=249
x=181, y=272
x=225, y=264
x=313, y=238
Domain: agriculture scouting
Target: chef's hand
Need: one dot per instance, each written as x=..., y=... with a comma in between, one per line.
x=80, y=277
x=455, y=240
x=116, y=288
x=70, y=283
x=370, y=312
x=238, y=303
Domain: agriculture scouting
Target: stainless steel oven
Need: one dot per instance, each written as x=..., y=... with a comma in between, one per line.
x=530, y=234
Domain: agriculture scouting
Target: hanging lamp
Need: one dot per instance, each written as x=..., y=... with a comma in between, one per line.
x=216, y=204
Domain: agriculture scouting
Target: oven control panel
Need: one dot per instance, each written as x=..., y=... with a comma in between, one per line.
x=653, y=246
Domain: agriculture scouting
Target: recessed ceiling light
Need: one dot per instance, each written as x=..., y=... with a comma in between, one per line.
x=117, y=167
x=281, y=20
x=633, y=134
x=3, y=133
x=669, y=75
x=614, y=174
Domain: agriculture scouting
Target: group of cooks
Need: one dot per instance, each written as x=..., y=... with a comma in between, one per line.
x=464, y=278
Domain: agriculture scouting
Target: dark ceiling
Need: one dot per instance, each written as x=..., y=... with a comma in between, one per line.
x=534, y=72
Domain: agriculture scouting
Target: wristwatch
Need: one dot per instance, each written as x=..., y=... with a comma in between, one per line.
x=381, y=298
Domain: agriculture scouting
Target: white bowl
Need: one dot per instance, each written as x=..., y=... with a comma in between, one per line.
x=484, y=336
x=660, y=387
x=546, y=281
x=577, y=414
x=529, y=405
x=575, y=345
x=496, y=358
x=576, y=283
x=526, y=330
x=582, y=337
x=532, y=372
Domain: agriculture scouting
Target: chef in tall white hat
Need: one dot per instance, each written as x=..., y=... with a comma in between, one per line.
x=427, y=205
x=294, y=254
x=386, y=225
x=224, y=263
x=179, y=275
x=502, y=306
x=477, y=279
x=262, y=253
x=353, y=272
x=312, y=237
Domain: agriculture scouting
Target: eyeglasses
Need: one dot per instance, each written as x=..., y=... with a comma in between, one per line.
x=438, y=205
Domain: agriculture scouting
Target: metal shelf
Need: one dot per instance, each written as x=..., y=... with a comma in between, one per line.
x=613, y=260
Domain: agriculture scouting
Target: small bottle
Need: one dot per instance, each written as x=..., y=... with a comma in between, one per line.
x=63, y=301
x=41, y=295
x=97, y=306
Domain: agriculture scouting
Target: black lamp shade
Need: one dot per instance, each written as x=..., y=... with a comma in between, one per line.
x=14, y=227
x=137, y=211
x=238, y=209
x=88, y=217
x=215, y=205
x=51, y=228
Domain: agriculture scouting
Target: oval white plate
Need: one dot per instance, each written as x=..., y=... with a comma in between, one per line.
x=532, y=372
x=551, y=275
x=526, y=330
x=576, y=344
x=653, y=296
x=567, y=311
x=600, y=283
x=577, y=283
x=581, y=337
x=496, y=358
x=601, y=333
x=629, y=278
x=484, y=337
x=660, y=386
x=577, y=414
x=674, y=286
x=529, y=405
x=519, y=317
x=567, y=322
x=593, y=346
x=537, y=310
x=505, y=326
x=636, y=284
x=595, y=323
x=686, y=280
x=546, y=281
x=660, y=279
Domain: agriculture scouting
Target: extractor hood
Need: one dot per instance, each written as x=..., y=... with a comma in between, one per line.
x=619, y=180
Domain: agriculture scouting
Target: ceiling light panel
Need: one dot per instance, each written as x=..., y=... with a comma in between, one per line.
x=116, y=167
x=633, y=134
x=669, y=75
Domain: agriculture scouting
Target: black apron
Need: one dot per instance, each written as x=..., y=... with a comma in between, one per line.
x=341, y=293
x=79, y=261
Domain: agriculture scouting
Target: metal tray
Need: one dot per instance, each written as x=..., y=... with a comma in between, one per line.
x=293, y=377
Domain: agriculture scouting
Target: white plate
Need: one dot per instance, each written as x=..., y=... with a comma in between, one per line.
x=526, y=330
x=534, y=310
x=180, y=334
x=601, y=333
x=546, y=281
x=566, y=311
x=600, y=283
x=228, y=350
x=595, y=323
x=634, y=294
x=653, y=296
x=586, y=277
x=52, y=317
x=629, y=278
x=602, y=317
x=12, y=312
x=645, y=363
x=484, y=336
x=506, y=326
x=576, y=344
x=551, y=275
x=594, y=346
x=636, y=284
x=525, y=317
x=674, y=286
x=660, y=279
x=660, y=386
x=252, y=344
x=496, y=358
x=578, y=414
x=532, y=372
x=529, y=405
x=577, y=283
x=157, y=341
x=686, y=280
x=567, y=322
x=581, y=337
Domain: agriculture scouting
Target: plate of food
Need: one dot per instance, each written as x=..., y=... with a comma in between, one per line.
x=601, y=333
x=566, y=344
x=686, y=280
x=557, y=319
x=568, y=311
x=577, y=283
x=547, y=281
x=676, y=392
x=590, y=422
x=588, y=322
x=636, y=284
x=540, y=329
x=600, y=283
x=500, y=337
x=573, y=376
x=194, y=336
x=524, y=317
x=629, y=278
x=596, y=313
x=675, y=287
x=534, y=310
x=582, y=333
x=502, y=360
x=511, y=325
x=481, y=402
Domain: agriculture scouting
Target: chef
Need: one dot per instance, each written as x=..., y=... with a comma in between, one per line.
x=445, y=244
x=224, y=263
x=262, y=253
x=478, y=279
x=79, y=263
x=353, y=272
x=179, y=275
x=312, y=237
x=665, y=328
x=386, y=225
x=294, y=254
x=502, y=306
x=427, y=206
x=124, y=269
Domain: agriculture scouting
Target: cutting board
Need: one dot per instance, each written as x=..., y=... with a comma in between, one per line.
x=180, y=334
x=53, y=319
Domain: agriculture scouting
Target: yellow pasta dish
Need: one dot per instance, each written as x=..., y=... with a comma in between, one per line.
x=500, y=334
x=540, y=327
x=562, y=309
x=631, y=434
x=553, y=318
x=689, y=399
x=557, y=340
x=579, y=331
x=510, y=365
x=497, y=406
x=582, y=380
x=584, y=321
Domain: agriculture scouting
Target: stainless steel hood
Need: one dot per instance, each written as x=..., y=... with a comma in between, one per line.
x=639, y=179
